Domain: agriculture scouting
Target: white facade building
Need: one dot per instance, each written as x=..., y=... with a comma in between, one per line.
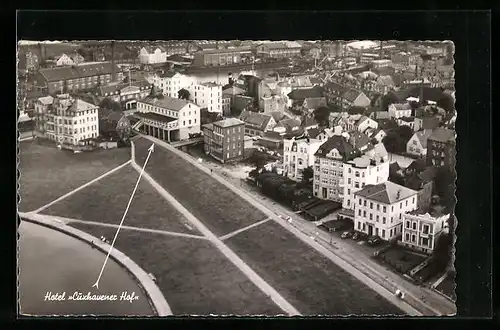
x=398, y=110
x=207, y=95
x=66, y=120
x=379, y=209
x=417, y=145
x=169, y=118
x=369, y=169
x=170, y=83
x=421, y=230
x=64, y=60
x=298, y=154
x=148, y=55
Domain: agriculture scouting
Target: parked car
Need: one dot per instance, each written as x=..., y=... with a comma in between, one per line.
x=358, y=236
x=374, y=240
x=347, y=234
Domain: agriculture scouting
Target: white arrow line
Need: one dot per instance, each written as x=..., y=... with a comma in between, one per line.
x=151, y=149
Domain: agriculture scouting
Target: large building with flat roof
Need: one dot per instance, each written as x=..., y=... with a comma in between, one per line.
x=224, y=139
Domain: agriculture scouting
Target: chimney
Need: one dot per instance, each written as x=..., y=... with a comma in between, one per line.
x=113, y=70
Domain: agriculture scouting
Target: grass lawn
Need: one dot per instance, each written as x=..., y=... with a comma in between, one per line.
x=220, y=209
x=192, y=275
x=47, y=173
x=106, y=200
x=447, y=287
x=309, y=281
x=400, y=259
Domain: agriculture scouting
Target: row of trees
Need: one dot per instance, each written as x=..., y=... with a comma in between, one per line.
x=396, y=139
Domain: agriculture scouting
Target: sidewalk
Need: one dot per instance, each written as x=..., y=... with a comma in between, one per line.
x=426, y=301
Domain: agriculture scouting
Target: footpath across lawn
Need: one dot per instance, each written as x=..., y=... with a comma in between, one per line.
x=192, y=274
x=106, y=200
x=308, y=280
x=220, y=209
x=48, y=173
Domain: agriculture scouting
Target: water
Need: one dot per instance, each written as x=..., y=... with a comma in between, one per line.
x=50, y=261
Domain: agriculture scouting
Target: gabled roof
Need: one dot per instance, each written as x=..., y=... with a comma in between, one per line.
x=302, y=94
x=80, y=105
x=314, y=132
x=422, y=137
x=46, y=100
x=387, y=192
x=402, y=106
x=79, y=71
x=255, y=120
x=442, y=134
x=277, y=115
x=358, y=139
x=345, y=149
x=430, y=122
x=314, y=103
x=230, y=90
x=166, y=102
x=288, y=124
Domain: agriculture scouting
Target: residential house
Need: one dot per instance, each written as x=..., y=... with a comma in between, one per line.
x=377, y=134
x=406, y=121
x=171, y=82
x=64, y=60
x=380, y=115
x=66, y=120
x=279, y=49
x=398, y=110
x=77, y=58
x=149, y=55
x=313, y=103
x=379, y=209
x=207, y=95
x=85, y=76
x=417, y=145
x=345, y=97
x=287, y=125
x=224, y=140
x=422, y=229
x=298, y=96
x=114, y=124
x=170, y=119
x=298, y=154
x=364, y=123
x=126, y=94
x=329, y=167
x=226, y=106
x=256, y=124
x=441, y=149
x=370, y=168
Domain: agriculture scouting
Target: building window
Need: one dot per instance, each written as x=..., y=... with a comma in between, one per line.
x=414, y=225
x=384, y=209
x=378, y=218
x=360, y=201
x=364, y=203
x=413, y=200
x=371, y=205
x=406, y=204
x=425, y=241
x=383, y=220
x=413, y=238
x=371, y=216
x=407, y=237
x=359, y=225
x=364, y=214
x=407, y=224
x=378, y=207
x=348, y=191
x=359, y=212
x=383, y=233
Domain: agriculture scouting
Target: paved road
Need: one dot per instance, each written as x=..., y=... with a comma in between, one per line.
x=423, y=299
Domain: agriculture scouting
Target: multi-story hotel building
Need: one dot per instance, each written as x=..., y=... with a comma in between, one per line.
x=329, y=167
x=224, y=139
x=298, y=154
x=207, y=95
x=167, y=118
x=421, y=230
x=170, y=83
x=66, y=120
x=370, y=168
x=77, y=78
x=379, y=209
x=441, y=150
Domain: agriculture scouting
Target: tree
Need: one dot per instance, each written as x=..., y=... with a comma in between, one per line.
x=396, y=139
x=355, y=110
x=389, y=99
x=321, y=116
x=443, y=250
x=307, y=174
x=183, y=94
x=447, y=103
x=444, y=186
x=108, y=103
x=258, y=160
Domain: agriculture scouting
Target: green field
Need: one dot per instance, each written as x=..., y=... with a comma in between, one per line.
x=192, y=274
x=220, y=209
x=105, y=201
x=308, y=280
x=47, y=173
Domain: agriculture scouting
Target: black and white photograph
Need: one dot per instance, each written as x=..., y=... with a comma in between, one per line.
x=236, y=177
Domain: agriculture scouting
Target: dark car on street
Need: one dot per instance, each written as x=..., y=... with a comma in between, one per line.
x=357, y=236
x=374, y=240
x=347, y=234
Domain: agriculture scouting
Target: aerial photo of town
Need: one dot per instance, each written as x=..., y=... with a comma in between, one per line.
x=236, y=177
